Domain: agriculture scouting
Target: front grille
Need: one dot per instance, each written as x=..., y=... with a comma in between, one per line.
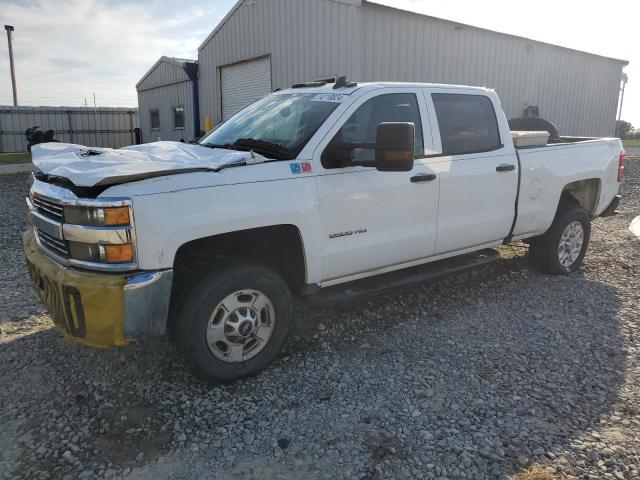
x=57, y=246
x=48, y=207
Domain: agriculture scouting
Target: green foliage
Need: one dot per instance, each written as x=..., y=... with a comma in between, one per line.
x=7, y=158
x=624, y=129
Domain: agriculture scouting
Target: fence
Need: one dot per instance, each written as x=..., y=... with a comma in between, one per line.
x=100, y=127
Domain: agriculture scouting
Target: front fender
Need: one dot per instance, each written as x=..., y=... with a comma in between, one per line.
x=165, y=222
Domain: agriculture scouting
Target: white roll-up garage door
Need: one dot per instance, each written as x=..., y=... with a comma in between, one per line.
x=244, y=83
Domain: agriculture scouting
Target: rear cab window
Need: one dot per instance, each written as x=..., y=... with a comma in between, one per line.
x=467, y=123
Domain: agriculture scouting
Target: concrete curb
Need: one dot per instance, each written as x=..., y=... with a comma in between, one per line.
x=14, y=168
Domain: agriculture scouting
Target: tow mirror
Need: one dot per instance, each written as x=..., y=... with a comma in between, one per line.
x=394, y=146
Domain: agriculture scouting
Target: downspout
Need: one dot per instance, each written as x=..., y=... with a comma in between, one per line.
x=192, y=72
x=623, y=80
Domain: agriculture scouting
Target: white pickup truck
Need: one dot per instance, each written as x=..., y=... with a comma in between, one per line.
x=321, y=190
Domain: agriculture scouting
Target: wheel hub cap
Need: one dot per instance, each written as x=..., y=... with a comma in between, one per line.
x=570, y=245
x=246, y=328
x=240, y=326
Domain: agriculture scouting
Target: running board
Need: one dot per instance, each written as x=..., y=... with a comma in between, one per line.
x=402, y=278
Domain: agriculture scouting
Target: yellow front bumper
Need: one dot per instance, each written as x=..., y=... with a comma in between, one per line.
x=98, y=309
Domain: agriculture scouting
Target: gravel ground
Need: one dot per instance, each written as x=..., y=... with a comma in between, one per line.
x=475, y=376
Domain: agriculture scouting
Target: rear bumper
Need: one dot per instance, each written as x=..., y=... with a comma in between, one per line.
x=99, y=309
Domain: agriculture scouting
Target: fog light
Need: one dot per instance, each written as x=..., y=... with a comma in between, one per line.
x=118, y=253
x=86, y=252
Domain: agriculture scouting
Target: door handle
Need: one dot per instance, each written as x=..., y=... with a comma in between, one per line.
x=423, y=177
x=505, y=167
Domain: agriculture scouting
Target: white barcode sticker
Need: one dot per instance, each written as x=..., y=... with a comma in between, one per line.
x=328, y=97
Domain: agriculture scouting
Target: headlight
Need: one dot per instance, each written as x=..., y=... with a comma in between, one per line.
x=95, y=234
x=100, y=235
x=97, y=216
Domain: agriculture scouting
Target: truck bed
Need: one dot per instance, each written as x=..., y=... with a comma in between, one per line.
x=564, y=141
x=584, y=164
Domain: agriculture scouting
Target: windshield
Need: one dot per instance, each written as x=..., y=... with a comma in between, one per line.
x=278, y=126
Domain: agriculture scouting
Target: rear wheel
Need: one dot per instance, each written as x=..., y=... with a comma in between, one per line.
x=233, y=322
x=562, y=248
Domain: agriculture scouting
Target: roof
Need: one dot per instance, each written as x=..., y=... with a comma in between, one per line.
x=178, y=62
x=328, y=88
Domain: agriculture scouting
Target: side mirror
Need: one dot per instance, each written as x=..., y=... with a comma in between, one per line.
x=394, y=146
x=337, y=155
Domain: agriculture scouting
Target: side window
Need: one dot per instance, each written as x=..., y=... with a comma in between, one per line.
x=362, y=126
x=468, y=123
x=178, y=117
x=154, y=119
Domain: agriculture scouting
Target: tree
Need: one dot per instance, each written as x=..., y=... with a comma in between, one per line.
x=624, y=129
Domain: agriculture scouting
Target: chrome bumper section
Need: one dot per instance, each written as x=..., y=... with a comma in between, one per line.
x=146, y=304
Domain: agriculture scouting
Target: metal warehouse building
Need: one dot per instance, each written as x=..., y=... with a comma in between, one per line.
x=262, y=45
x=168, y=100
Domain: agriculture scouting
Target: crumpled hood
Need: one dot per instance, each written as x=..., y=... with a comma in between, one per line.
x=92, y=166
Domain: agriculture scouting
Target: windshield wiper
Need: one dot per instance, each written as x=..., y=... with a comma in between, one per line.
x=226, y=146
x=264, y=147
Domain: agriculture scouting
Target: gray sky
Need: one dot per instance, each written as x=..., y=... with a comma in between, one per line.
x=67, y=49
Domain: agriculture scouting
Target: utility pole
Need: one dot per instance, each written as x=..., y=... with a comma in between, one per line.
x=9, y=29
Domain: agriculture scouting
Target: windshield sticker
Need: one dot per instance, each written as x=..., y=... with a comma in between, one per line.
x=328, y=97
x=300, y=167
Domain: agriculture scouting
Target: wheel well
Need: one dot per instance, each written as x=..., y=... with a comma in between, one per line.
x=278, y=247
x=583, y=192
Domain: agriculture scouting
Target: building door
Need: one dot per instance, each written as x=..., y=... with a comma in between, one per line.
x=244, y=83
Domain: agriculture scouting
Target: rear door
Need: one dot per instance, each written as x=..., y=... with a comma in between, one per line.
x=477, y=168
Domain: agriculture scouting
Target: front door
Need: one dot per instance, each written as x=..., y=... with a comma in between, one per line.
x=371, y=220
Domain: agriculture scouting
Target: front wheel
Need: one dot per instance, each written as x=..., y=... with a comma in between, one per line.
x=233, y=322
x=562, y=248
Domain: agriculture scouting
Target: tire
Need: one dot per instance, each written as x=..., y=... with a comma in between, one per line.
x=218, y=314
x=570, y=223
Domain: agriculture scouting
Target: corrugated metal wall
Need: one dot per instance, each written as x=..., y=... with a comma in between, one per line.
x=305, y=38
x=104, y=127
x=164, y=99
x=310, y=39
x=576, y=90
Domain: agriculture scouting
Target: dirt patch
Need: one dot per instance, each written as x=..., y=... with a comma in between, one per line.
x=537, y=472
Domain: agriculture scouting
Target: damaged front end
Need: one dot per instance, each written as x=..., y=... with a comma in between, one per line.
x=90, y=171
x=82, y=259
